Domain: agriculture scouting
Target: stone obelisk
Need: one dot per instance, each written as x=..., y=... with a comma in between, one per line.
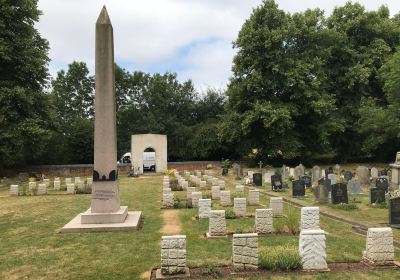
x=105, y=213
x=105, y=194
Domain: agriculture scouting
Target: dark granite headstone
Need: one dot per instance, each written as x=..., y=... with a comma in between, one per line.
x=394, y=212
x=298, y=188
x=377, y=195
x=276, y=182
x=348, y=175
x=224, y=171
x=339, y=193
x=382, y=183
x=307, y=180
x=257, y=179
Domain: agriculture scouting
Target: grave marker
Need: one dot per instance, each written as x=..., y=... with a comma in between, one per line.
x=298, y=188
x=276, y=182
x=225, y=200
x=316, y=173
x=307, y=180
x=339, y=193
x=348, y=175
x=257, y=179
x=354, y=187
x=382, y=183
x=394, y=212
x=377, y=195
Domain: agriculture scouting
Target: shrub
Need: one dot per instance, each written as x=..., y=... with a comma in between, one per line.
x=292, y=221
x=230, y=214
x=173, y=184
x=177, y=203
x=84, y=190
x=280, y=258
x=209, y=166
x=206, y=195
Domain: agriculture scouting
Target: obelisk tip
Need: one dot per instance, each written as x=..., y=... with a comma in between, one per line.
x=103, y=17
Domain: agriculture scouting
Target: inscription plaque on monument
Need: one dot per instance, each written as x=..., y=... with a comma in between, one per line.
x=339, y=193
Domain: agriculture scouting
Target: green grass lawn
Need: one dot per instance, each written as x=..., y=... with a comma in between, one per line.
x=31, y=248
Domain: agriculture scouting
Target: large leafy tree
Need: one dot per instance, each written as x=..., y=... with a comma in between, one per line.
x=278, y=103
x=25, y=111
x=298, y=81
x=73, y=98
x=380, y=117
x=366, y=39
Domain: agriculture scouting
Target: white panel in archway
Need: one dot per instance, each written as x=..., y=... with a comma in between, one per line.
x=158, y=142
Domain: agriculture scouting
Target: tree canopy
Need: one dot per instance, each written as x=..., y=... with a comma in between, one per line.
x=298, y=81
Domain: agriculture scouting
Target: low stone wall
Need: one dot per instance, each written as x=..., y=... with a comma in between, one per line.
x=192, y=165
x=70, y=169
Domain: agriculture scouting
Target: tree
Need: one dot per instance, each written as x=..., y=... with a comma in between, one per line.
x=73, y=97
x=73, y=93
x=26, y=119
x=278, y=103
x=365, y=41
x=379, y=117
x=298, y=81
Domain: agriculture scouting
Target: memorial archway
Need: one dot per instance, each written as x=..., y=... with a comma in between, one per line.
x=143, y=142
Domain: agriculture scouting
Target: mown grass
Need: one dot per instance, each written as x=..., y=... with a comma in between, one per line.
x=31, y=248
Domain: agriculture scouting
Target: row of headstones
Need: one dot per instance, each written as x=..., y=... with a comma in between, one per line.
x=363, y=173
x=338, y=192
x=42, y=187
x=312, y=249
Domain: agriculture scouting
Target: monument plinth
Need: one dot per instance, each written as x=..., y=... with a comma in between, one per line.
x=105, y=213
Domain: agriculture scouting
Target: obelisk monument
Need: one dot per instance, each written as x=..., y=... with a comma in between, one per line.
x=105, y=213
x=105, y=192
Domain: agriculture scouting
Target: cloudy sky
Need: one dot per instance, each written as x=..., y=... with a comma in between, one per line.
x=190, y=37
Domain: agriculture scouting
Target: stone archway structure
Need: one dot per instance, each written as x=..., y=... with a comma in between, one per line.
x=141, y=142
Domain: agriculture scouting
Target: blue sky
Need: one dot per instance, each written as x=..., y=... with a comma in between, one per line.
x=190, y=37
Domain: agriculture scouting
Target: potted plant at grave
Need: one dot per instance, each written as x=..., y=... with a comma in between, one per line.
x=225, y=164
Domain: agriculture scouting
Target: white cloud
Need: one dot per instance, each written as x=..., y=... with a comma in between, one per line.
x=151, y=34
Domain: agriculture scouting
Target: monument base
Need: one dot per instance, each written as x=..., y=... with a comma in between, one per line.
x=104, y=218
x=132, y=222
